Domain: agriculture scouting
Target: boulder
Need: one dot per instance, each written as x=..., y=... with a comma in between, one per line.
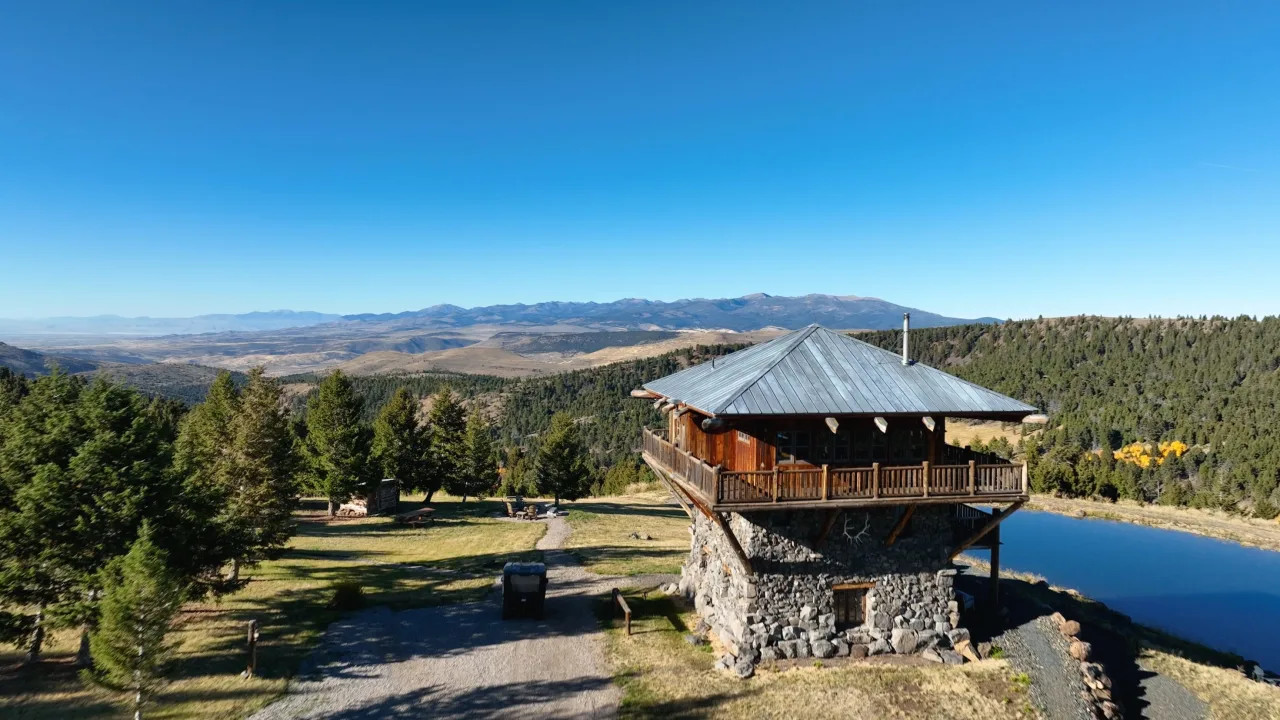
x=957, y=635
x=695, y=639
x=842, y=647
x=951, y=657
x=904, y=641
x=790, y=632
x=744, y=669
x=1080, y=650
x=1070, y=628
x=881, y=620
x=771, y=654
x=858, y=651
x=879, y=647
x=931, y=656
x=822, y=649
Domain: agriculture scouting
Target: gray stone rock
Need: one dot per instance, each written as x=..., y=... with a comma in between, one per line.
x=695, y=639
x=822, y=649
x=957, y=635
x=904, y=641
x=882, y=620
x=842, y=647
x=931, y=656
x=879, y=647
x=942, y=628
x=744, y=669
x=771, y=654
x=790, y=632
x=859, y=651
x=917, y=624
x=951, y=657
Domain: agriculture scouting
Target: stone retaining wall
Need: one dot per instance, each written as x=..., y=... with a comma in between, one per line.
x=785, y=609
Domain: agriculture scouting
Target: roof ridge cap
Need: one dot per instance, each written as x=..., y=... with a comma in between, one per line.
x=801, y=336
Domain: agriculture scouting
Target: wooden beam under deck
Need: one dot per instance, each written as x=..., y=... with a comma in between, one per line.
x=900, y=526
x=679, y=494
x=997, y=517
x=827, y=523
x=720, y=522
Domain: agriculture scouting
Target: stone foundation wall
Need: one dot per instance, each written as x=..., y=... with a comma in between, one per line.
x=786, y=608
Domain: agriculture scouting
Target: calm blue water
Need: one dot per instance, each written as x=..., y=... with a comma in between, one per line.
x=1212, y=591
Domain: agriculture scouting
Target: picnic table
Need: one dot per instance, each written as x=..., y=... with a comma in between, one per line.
x=416, y=518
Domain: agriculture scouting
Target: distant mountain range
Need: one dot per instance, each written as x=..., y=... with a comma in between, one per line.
x=499, y=339
x=104, y=325
x=751, y=312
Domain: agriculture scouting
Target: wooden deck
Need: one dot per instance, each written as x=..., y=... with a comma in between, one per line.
x=826, y=487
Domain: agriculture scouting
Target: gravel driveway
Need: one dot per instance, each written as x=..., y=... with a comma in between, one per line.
x=458, y=660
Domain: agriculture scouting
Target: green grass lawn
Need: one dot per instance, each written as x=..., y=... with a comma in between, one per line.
x=602, y=528
x=453, y=560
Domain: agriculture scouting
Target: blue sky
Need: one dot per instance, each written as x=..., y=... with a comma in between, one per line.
x=1011, y=159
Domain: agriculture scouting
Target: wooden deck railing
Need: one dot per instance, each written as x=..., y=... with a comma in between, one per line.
x=888, y=483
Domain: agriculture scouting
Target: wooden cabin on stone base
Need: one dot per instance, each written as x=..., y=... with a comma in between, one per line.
x=827, y=507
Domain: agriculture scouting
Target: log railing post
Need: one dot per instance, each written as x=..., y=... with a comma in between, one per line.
x=1025, y=485
x=826, y=481
x=924, y=477
x=875, y=480
x=973, y=478
x=715, y=484
x=775, y=483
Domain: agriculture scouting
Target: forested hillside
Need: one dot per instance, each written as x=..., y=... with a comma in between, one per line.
x=1211, y=383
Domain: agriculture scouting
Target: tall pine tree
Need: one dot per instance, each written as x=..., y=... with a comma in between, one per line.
x=260, y=473
x=141, y=595
x=400, y=442
x=337, y=445
x=447, y=424
x=562, y=462
x=479, y=474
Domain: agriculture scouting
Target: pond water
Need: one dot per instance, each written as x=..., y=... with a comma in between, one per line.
x=1215, y=592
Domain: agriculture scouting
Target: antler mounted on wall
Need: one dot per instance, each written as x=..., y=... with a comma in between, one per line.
x=856, y=538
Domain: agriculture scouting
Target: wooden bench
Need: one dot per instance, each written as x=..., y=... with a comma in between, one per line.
x=416, y=518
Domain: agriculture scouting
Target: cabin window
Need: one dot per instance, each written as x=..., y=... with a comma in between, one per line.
x=869, y=445
x=793, y=445
x=832, y=448
x=851, y=605
x=744, y=438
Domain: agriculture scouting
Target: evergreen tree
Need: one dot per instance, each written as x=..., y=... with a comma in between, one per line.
x=400, y=443
x=562, y=469
x=337, y=446
x=140, y=597
x=260, y=473
x=479, y=474
x=447, y=426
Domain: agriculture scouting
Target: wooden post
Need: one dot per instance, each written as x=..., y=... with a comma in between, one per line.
x=924, y=476
x=1025, y=486
x=995, y=570
x=973, y=478
x=826, y=481
x=775, y=483
x=622, y=604
x=253, y=649
x=875, y=480
x=715, y=484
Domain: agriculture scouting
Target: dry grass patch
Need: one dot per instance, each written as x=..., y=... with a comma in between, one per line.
x=602, y=529
x=456, y=559
x=1230, y=695
x=664, y=676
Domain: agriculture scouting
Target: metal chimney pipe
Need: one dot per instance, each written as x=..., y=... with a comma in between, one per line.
x=906, y=331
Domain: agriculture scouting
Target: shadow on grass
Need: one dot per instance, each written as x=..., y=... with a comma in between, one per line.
x=610, y=508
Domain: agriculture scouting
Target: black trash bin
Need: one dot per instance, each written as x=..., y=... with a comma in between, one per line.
x=524, y=589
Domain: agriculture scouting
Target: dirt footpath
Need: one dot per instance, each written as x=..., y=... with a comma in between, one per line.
x=463, y=660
